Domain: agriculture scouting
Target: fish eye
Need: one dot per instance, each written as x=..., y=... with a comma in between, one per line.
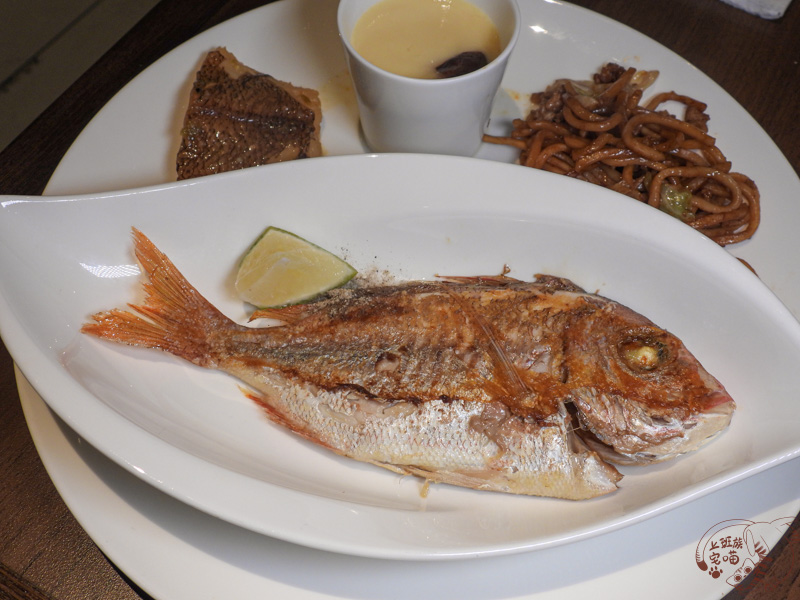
x=643, y=354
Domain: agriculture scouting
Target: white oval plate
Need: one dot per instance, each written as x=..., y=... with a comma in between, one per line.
x=132, y=141
x=193, y=434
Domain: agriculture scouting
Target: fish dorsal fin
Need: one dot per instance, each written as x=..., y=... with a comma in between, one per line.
x=548, y=283
x=551, y=283
x=494, y=280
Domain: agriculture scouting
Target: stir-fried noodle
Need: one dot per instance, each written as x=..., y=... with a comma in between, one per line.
x=600, y=132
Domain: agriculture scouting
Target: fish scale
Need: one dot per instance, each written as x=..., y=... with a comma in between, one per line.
x=437, y=443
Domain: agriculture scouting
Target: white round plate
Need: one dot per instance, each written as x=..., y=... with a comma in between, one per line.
x=175, y=552
x=162, y=431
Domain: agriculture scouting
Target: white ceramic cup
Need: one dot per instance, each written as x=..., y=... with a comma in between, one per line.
x=437, y=116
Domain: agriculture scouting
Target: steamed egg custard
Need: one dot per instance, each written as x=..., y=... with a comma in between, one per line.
x=413, y=37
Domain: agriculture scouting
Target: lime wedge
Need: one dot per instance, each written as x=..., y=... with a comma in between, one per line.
x=282, y=269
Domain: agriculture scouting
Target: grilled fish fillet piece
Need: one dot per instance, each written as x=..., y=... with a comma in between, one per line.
x=238, y=117
x=488, y=383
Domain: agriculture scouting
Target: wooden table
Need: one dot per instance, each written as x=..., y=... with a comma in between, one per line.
x=44, y=553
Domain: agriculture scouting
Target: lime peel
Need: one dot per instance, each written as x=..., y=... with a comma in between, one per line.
x=282, y=269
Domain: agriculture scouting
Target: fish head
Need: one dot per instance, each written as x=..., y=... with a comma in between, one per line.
x=637, y=392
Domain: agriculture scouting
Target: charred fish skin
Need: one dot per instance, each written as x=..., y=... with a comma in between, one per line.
x=465, y=381
x=641, y=393
x=432, y=340
x=239, y=118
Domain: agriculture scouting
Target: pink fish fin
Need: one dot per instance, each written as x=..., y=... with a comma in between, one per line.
x=279, y=418
x=501, y=279
x=287, y=314
x=511, y=382
x=175, y=317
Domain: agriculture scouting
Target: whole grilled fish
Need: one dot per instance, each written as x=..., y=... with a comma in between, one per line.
x=484, y=382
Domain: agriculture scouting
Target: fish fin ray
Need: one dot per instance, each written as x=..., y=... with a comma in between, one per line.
x=175, y=317
x=279, y=418
x=513, y=383
x=501, y=279
x=286, y=314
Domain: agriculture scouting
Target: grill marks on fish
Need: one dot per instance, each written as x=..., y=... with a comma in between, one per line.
x=479, y=382
x=238, y=118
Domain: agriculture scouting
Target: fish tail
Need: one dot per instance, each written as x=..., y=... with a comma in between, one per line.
x=174, y=318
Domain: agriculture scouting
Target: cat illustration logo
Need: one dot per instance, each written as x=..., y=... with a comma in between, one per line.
x=742, y=572
x=731, y=549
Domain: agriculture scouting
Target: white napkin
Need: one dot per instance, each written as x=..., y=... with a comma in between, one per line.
x=766, y=9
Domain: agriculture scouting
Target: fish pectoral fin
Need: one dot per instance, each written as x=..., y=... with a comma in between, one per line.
x=263, y=401
x=505, y=376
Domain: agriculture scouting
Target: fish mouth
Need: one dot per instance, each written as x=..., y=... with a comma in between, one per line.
x=645, y=440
